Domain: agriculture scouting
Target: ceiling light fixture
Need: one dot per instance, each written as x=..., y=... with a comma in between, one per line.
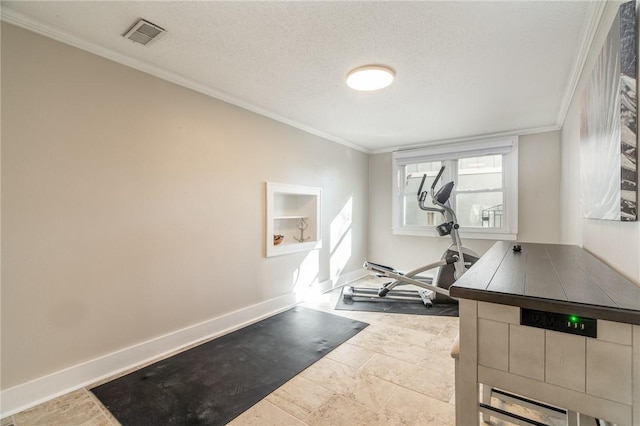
x=370, y=77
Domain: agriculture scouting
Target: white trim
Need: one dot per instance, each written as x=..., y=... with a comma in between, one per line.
x=506, y=146
x=594, y=17
x=42, y=389
x=23, y=21
x=332, y=284
x=468, y=234
x=497, y=135
x=311, y=292
x=511, y=175
x=450, y=150
x=311, y=213
x=340, y=281
x=26, y=395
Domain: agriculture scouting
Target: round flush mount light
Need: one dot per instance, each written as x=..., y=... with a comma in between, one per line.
x=370, y=77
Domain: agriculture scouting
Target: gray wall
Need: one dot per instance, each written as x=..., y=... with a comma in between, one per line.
x=132, y=207
x=539, y=188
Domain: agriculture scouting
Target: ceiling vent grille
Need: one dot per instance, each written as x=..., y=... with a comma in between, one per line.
x=144, y=32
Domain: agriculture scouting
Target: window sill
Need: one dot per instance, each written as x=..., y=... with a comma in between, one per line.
x=464, y=234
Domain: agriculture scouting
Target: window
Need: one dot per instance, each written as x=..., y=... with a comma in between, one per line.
x=485, y=191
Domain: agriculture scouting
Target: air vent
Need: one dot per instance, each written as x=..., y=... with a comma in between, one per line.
x=144, y=32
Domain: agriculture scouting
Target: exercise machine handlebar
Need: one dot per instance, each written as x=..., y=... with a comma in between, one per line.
x=445, y=209
x=433, y=185
x=435, y=181
x=422, y=195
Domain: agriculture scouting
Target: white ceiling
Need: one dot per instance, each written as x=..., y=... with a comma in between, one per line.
x=464, y=68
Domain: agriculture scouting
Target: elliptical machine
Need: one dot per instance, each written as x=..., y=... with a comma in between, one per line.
x=452, y=265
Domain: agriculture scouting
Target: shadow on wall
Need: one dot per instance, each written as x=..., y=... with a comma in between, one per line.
x=340, y=250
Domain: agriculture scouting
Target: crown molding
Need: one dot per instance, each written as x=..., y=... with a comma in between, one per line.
x=20, y=20
x=591, y=28
x=594, y=17
x=520, y=132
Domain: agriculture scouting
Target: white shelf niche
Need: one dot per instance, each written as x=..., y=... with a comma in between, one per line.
x=287, y=207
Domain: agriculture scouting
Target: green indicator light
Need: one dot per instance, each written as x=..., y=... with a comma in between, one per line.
x=573, y=318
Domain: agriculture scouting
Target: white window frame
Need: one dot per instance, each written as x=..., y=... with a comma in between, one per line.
x=505, y=146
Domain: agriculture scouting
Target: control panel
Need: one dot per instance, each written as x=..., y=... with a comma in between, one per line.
x=565, y=323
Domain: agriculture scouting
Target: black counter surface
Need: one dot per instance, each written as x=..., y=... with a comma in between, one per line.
x=551, y=277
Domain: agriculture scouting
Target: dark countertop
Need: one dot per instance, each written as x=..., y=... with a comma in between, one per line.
x=551, y=277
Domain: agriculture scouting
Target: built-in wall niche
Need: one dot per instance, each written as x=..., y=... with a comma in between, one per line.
x=293, y=212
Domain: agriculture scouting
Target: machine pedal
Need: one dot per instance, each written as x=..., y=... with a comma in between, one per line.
x=347, y=293
x=425, y=295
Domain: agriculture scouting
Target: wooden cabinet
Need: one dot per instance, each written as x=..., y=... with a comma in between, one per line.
x=551, y=323
x=594, y=376
x=526, y=351
x=566, y=360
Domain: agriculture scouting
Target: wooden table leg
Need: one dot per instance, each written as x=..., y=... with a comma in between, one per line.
x=467, y=366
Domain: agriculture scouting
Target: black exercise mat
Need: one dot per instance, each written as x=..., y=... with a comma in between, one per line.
x=397, y=307
x=213, y=383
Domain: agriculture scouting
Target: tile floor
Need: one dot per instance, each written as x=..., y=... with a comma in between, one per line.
x=397, y=371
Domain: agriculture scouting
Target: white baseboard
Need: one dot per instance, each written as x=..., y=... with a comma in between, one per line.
x=27, y=395
x=347, y=278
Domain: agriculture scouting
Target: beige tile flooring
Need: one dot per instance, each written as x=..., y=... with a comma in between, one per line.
x=397, y=371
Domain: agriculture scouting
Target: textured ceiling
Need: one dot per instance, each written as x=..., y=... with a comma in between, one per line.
x=463, y=68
